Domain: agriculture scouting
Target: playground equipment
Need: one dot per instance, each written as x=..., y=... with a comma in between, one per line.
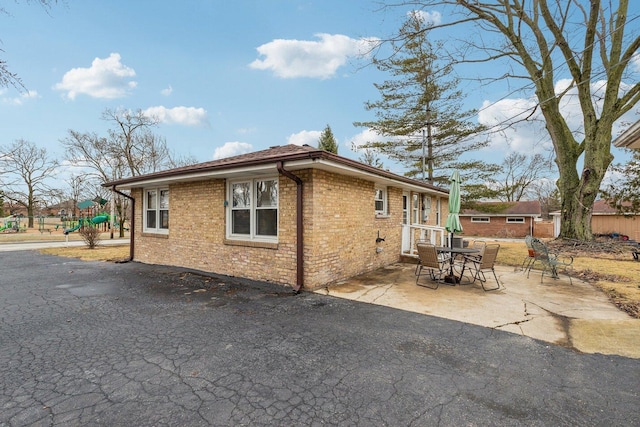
x=10, y=224
x=99, y=219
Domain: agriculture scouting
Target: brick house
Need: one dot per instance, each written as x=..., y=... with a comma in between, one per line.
x=502, y=219
x=293, y=215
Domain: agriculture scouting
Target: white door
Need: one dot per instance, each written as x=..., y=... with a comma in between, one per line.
x=406, y=230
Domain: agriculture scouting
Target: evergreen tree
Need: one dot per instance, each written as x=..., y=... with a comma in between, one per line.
x=624, y=194
x=327, y=142
x=421, y=107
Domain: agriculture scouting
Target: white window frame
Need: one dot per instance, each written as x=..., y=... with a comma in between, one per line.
x=426, y=207
x=482, y=219
x=415, y=208
x=158, y=229
x=382, y=191
x=253, y=209
x=515, y=220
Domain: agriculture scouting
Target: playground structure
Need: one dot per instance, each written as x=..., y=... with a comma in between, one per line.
x=91, y=213
x=10, y=224
x=86, y=222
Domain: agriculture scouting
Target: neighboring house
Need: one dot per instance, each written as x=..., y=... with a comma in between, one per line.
x=291, y=214
x=630, y=138
x=606, y=220
x=503, y=219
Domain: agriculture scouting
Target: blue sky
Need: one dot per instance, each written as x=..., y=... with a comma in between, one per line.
x=225, y=77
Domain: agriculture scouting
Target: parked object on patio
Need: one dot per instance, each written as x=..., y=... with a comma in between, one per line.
x=478, y=265
x=551, y=261
x=429, y=260
x=530, y=259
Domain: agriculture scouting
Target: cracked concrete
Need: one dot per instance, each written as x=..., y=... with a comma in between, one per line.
x=144, y=345
x=577, y=316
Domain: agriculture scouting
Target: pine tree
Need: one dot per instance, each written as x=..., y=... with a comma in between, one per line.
x=327, y=142
x=420, y=107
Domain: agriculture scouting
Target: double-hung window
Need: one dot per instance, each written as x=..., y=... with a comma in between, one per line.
x=156, y=210
x=254, y=209
x=380, y=201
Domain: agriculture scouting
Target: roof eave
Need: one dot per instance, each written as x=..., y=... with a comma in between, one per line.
x=298, y=161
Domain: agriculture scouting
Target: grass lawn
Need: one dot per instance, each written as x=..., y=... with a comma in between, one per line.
x=616, y=274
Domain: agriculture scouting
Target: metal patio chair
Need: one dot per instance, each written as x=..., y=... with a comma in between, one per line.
x=530, y=259
x=432, y=264
x=478, y=265
x=550, y=261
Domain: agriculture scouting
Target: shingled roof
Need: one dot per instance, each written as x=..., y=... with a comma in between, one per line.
x=522, y=208
x=271, y=156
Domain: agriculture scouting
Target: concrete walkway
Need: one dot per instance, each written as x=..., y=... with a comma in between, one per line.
x=577, y=316
x=31, y=245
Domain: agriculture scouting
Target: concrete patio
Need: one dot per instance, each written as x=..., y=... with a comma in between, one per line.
x=577, y=316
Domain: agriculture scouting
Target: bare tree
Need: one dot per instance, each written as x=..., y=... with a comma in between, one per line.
x=8, y=78
x=542, y=41
x=519, y=173
x=77, y=186
x=30, y=167
x=130, y=149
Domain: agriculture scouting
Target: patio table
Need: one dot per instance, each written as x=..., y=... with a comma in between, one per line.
x=452, y=278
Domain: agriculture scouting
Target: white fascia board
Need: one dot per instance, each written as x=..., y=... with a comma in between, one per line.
x=269, y=169
x=630, y=138
x=351, y=171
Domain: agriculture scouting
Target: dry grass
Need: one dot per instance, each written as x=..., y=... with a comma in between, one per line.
x=617, y=274
x=100, y=253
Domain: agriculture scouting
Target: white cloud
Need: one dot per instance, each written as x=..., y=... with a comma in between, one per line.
x=24, y=97
x=309, y=137
x=364, y=137
x=167, y=91
x=316, y=59
x=187, y=116
x=106, y=78
x=230, y=149
x=433, y=18
x=524, y=136
x=635, y=62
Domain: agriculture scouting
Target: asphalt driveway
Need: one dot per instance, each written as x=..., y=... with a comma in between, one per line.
x=92, y=343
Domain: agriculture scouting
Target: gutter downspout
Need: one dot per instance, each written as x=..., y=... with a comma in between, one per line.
x=299, y=227
x=133, y=222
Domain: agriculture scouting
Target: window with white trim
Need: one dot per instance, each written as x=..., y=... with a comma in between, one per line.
x=515, y=220
x=156, y=210
x=426, y=207
x=253, y=213
x=480, y=219
x=380, y=201
x=415, y=209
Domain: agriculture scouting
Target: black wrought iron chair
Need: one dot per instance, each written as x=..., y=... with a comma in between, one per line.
x=432, y=264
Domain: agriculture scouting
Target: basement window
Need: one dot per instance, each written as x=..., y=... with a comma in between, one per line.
x=515, y=220
x=480, y=219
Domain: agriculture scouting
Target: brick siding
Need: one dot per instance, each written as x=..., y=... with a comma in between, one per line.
x=340, y=230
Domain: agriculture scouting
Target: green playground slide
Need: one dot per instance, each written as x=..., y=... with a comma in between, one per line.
x=72, y=229
x=95, y=220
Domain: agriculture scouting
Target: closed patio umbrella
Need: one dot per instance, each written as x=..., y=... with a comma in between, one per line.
x=453, y=219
